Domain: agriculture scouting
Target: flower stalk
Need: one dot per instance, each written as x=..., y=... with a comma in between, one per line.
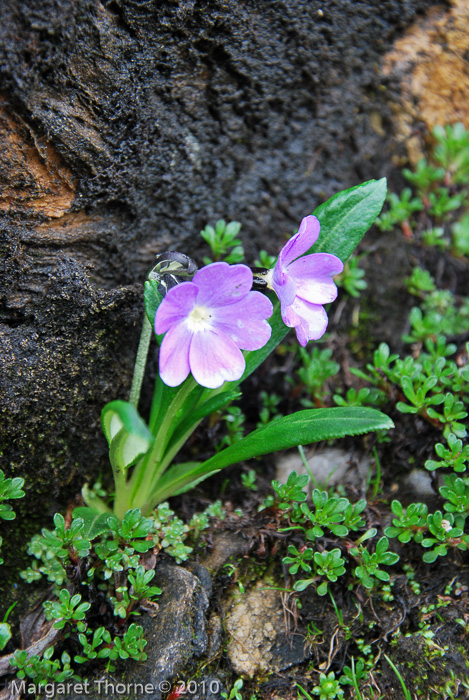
x=140, y=362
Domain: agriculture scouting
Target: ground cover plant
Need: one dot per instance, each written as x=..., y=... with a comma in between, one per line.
x=375, y=579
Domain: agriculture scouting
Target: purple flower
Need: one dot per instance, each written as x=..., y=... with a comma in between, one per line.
x=208, y=322
x=303, y=284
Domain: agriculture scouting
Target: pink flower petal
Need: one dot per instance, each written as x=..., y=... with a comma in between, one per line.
x=301, y=242
x=289, y=316
x=244, y=322
x=249, y=334
x=207, y=321
x=215, y=359
x=313, y=320
x=318, y=291
x=221, y=284
x=254, y=306
x=312, y=275
x=174, y=355
x=283, y=285
x=316, y=265
x=175, y=307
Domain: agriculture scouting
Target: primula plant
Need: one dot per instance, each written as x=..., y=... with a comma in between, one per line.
x=214, y=327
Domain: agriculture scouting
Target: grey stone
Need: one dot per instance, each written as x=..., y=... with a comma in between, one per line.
x=175, y=636
x=330, y=466
x=259, y=640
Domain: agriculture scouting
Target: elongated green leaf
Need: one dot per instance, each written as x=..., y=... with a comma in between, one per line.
x=121, y=414
x=347, y=216
x=5, y=634
x=301, y=428
x=162, y=398
x=126, y=449
x=212, y=404
x=127, y=434
x=185, y=396
x=180, y=471
x=95, y=523
x=344, y=218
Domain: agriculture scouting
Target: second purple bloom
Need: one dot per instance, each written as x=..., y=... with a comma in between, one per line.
x=304, y=284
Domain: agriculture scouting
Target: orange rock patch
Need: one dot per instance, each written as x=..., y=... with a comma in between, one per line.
x=33, y=177
x=431, y=60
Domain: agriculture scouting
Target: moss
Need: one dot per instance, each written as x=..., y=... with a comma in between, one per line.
x=426, y=667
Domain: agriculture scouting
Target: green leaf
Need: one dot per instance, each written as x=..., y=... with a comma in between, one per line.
x=304, y=583
x=5, y=634
x=212, y=404
x=322, y=588
x=389, y=558
x=347, y=216
x=121, y=414
x=7, y=512
x=127, y=434
x=382, y=546
x=408, y=388
x=405, y=408
x=338, y=530
x=152, y=299
x=344, y=219
x=95, y=522
x=180, y=471
x=126, y=449
x=163, y=399
x=301, y=428
x=382, y=575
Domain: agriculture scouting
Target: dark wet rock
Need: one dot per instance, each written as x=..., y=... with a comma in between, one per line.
x=215, y=635
x=225, y=545
x=177, y=634
x=203, y=576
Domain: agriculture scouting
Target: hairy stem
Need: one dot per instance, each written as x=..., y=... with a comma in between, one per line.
x=140, y=362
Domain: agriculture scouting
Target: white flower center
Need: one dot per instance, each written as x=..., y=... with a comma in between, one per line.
x=199, y=319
